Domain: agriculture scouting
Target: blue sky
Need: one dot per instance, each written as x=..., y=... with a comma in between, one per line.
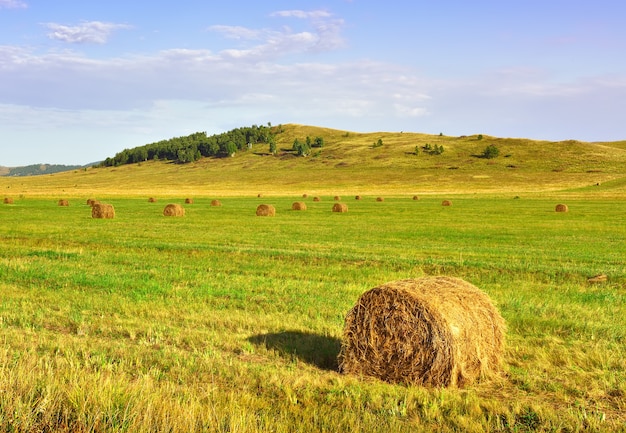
x=82, y=80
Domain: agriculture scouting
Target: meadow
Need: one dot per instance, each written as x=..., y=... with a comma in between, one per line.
x=222, y=321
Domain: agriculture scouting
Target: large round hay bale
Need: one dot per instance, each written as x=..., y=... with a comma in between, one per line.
x=561, y=208
x=216, y=203
x=446, y=203
x=188, y=200
x=380, y=199
x=265, y=210
x=8, y=200
x=298, y=205
x=433, y=331
x=102, y=211
x=63, y=202
x=340, y=207
x=152, y=200
x=174, y=209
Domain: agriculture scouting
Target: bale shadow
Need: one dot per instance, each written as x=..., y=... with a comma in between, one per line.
x=318, y=350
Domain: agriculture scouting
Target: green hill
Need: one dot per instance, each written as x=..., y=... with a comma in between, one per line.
x=358, y=163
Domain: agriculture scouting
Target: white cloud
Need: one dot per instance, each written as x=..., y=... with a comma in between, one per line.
x=12, y=4
x=302, y=14
x=88, y=32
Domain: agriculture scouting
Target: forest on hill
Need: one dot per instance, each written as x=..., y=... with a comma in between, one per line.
x=192, y=147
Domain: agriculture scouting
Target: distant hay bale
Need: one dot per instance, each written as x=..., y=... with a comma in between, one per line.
x=259, y=195
x=152, y=200
x=298, y=205
x=63, y=202
x=433, y=331
x=91, y=202
x=265, y=210
x=340, y=207
x=415, y=197
x=305, y=195
x=8, y=200
x=216, y=203
x=102, y=211
x=316, y=199
x=337, y=198
x=561, y=208
x=358, y=197
x=188, y=201
x=380, y=199
x=174, y=209
x=446, y=203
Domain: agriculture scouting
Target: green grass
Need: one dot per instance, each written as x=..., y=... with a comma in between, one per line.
x=224, y=321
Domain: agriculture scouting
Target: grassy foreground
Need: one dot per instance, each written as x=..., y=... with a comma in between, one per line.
x=223, y=321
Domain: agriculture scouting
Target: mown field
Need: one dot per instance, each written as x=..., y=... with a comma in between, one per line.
x=228, y=322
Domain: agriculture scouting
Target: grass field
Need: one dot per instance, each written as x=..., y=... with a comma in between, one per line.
x=225, y=321
x=222, y=321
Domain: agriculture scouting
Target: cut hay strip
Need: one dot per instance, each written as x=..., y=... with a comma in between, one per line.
x=188, y=201
x=265, y=210
x=561, y=208
x=601, y=278
x=433, y=331
x=102, y=211
x=446, y=203
x=174, y=209
x=298, y=205
x=63, y=202
x=380, y=199
x=152, y=200
x=8, y=200
x=216, y=203
x=340, y=207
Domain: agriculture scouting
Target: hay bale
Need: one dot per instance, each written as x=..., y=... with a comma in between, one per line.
x=446, y=203
x=102, y=211
x=216, y=203
x=259, y=195
x=298, y=205
x=63, y=202
x=188, y=201
x=8, y=200
x=152, y=200
x=174, y=209
x=340, y=207
x=380, y=199
x=433, y=331
x=561, y=208
x=265, y=210
x=337, y=198
x=305, y=195
x=91, y=202
x=358, y=197
x=415, y=197
x=316, y=199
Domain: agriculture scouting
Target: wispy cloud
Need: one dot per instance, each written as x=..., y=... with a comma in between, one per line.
x=12, y=4
x=95, y=32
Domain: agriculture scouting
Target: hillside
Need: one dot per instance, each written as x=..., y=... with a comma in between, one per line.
x=352, y=163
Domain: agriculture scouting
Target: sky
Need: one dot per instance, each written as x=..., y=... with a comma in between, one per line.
x=81, y=80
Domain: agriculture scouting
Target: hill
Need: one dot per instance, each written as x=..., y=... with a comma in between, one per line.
x=36, y=169
x=358, y=163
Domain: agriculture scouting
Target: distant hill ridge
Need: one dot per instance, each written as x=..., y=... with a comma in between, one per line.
x=37, y=169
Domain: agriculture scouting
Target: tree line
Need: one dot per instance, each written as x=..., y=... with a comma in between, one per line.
x=195, y=146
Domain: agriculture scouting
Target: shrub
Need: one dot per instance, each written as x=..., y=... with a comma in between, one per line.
x=490, y=152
